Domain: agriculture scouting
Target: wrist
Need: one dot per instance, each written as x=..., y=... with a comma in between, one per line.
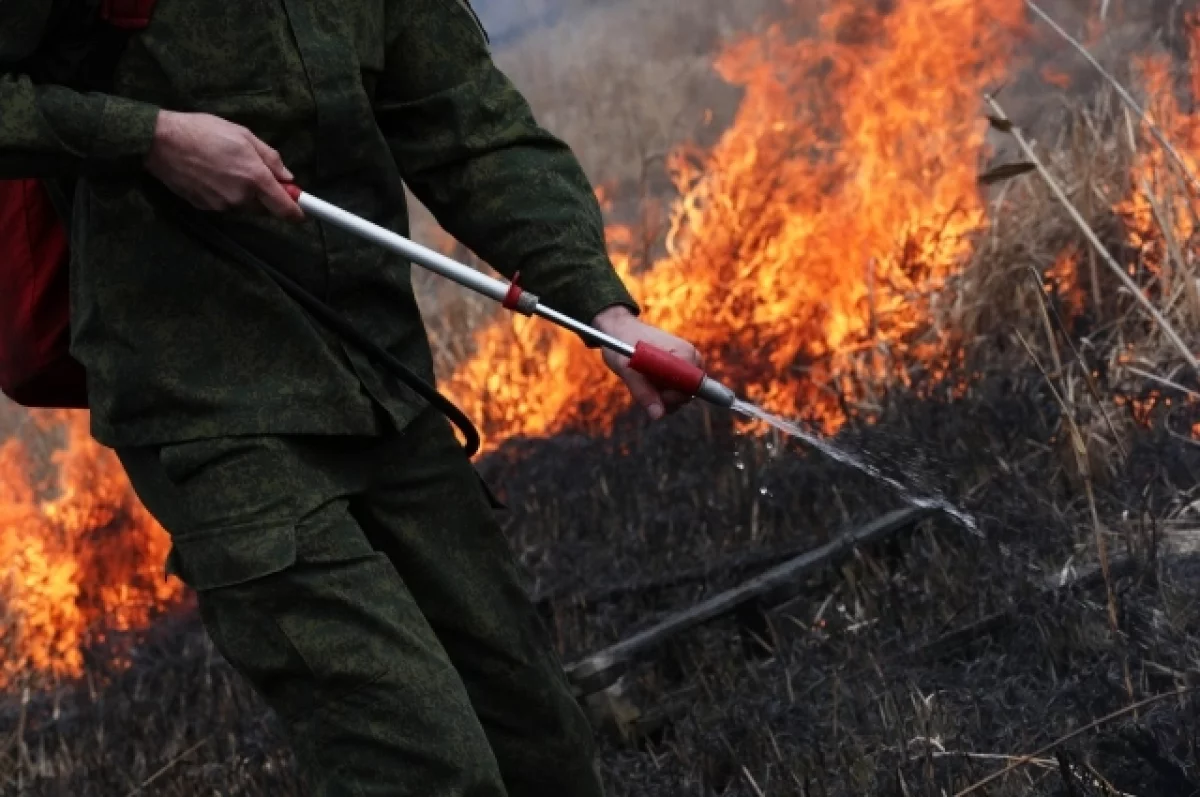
x=164, y=126
x=123, y=136
x=612, y=316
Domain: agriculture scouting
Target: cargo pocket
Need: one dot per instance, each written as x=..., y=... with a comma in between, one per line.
x=214, y=481
x=231, y=556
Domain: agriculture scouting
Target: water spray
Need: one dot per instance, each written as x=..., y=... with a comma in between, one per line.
x=664, y=369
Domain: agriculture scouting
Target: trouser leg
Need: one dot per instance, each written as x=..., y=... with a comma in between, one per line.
x=428, y=512
x=298, y=601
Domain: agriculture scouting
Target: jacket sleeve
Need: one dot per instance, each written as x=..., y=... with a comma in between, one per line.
x=468, y=147
x=51, y=130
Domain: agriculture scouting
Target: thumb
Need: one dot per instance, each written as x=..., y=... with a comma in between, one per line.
x=645, y=394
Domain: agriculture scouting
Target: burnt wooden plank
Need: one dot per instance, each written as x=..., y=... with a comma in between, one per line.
x=587, y=674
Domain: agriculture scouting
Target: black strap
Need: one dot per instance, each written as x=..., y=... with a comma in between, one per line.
x=217, y=240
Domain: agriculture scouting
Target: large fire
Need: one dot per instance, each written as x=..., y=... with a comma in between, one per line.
x=807, y=245
x=804, y=253
x=81, y=557
x=1159, y=199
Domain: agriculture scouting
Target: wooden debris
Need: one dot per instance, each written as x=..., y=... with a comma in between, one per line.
x=727, y=567
x=588, y=675
x=612, y=712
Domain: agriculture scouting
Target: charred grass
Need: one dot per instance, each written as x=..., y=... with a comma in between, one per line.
x=920, y=666
x=1058, y=645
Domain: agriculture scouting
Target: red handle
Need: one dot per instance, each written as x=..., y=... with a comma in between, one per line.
x=666, y=370
x=293, y=190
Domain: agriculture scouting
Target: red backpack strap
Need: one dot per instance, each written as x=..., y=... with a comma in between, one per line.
x=127, y=14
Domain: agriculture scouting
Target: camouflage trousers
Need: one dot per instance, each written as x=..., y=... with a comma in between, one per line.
x=366, y=591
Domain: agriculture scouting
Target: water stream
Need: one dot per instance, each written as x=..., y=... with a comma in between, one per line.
x=846, y=458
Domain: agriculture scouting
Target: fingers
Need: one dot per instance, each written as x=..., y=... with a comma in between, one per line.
x=217, y=165
x=645, y=394
x=272, y=160
x=268, y=183
x=274, y=198
x=657, y=401
x=673, y=400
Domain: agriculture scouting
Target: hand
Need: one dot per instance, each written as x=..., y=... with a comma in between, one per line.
x=217, y=165
x=623, y=325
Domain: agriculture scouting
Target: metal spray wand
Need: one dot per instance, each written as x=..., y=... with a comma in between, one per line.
x=661, y=367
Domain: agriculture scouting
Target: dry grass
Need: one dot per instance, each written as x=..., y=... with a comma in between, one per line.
x=940, y=664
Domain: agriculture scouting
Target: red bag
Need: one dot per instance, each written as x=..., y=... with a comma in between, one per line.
x=127, y=14
x=36, y=368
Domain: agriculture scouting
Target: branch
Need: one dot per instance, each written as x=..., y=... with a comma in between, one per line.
x=1002, y=122
x=1026, y=759
x=590, y=670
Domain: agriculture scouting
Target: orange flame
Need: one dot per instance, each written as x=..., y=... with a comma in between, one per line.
x=1161, y=209
x=810, y=241
x=80, y=556
x=1062, y=280
x=804, y=254
x=1056, y=77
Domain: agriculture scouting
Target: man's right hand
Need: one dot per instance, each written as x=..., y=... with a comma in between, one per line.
x=217, y=165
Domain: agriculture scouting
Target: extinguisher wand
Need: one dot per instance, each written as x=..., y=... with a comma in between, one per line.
x=661, y=367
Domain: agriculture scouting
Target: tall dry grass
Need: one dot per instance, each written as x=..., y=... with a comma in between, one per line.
x=1090, y=267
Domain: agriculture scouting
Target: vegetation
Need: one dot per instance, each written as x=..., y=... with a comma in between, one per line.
x=1053, y=653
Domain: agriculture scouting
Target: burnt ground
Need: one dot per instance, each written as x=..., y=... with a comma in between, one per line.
x=918, y=667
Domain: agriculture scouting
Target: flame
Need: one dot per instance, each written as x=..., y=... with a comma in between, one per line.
x=1055, y=77
x=1062, y=280
x=1161, y=208
x=804, y=254
x=81, y=557
x=811, y=240
x=1158, y=199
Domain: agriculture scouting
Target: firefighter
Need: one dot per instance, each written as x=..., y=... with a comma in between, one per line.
x=342, y=548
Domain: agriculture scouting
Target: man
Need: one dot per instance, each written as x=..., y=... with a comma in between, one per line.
x=344, y=555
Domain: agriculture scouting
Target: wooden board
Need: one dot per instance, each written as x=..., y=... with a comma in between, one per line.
x=601, y=669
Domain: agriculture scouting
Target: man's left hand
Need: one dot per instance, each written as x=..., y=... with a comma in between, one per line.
x=623, y=325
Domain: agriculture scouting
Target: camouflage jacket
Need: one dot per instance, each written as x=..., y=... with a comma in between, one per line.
x=357, y=96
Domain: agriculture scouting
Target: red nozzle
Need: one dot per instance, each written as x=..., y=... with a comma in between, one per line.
x=666, y=370
x=293, y=190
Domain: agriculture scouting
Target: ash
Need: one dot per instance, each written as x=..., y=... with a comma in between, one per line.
x=921, y=666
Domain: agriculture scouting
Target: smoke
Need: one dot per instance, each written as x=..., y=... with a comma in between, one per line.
x=509, y=20
x=1050, y=77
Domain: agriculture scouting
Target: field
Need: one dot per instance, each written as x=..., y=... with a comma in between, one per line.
x=932, y=231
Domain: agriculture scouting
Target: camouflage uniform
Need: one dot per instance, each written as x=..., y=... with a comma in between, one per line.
x=363, y=586
x=344, y=555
